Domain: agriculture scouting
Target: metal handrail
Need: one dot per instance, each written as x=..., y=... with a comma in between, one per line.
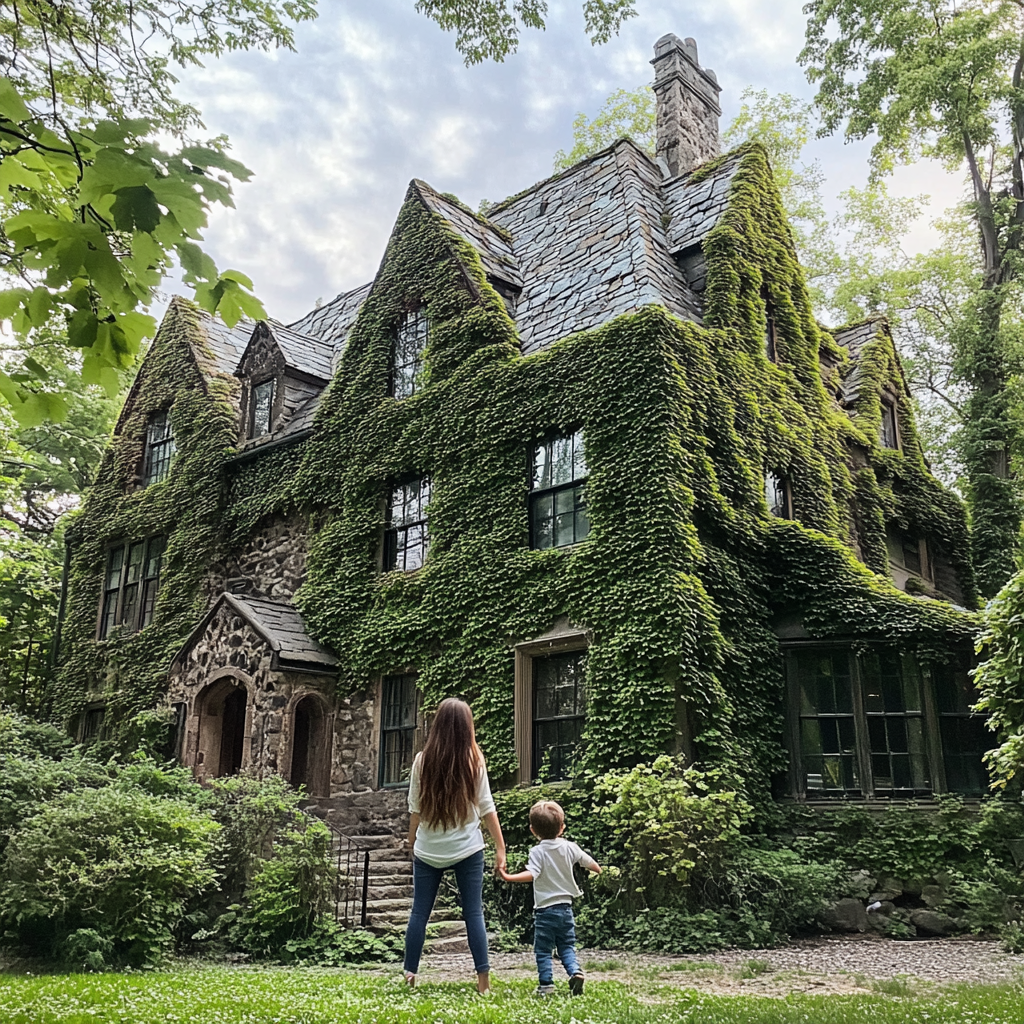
x=351, y=874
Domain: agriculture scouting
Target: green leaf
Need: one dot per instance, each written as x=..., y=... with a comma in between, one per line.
x=136, y=209
x=12, y=106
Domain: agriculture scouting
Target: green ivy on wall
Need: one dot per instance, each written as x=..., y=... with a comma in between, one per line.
x=129, y=671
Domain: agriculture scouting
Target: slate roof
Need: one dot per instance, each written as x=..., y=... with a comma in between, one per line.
x=495, y=251
x=303, y=352
x=280, y=625
x=854, y=339
x=225, y=344
x=694, y=208
x=331, y=323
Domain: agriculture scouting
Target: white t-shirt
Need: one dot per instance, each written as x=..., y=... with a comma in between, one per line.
x=551, y=862
x=440, y=848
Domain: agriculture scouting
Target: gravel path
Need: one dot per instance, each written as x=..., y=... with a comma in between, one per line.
x=827, y=964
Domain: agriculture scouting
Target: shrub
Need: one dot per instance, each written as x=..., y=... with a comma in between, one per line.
x=104, y=875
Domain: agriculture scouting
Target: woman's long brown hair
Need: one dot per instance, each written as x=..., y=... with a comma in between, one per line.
x=450, y=767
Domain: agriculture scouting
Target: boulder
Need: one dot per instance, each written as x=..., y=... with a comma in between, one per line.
x=931, y=922
x=847, y=915
x=879, y=920
x=932, y=895
x=861, y=882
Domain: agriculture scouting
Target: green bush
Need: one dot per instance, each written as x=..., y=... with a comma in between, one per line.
x=104, y=875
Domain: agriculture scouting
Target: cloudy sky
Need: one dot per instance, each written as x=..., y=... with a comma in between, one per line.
x=376, y=94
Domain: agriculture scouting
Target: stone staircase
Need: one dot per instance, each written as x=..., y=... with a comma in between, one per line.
x=389, y=895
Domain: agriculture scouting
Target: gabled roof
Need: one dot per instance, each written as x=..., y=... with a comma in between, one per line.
x=855, y=338
x=494, y=248
x=331, y=322
x=695, y=207
x=301, y=352
x=280, y=625
x=225, y=344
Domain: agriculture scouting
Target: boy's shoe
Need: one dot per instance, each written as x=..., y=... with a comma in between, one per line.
x=576, y=985
x=545, y=990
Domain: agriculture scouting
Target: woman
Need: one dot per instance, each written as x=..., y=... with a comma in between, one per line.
x=448, y=797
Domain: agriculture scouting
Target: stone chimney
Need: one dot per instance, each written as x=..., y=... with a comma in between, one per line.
x=688, y=109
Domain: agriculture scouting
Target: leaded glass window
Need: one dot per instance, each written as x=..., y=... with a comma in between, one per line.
x=888, y=433
x=776, y=493
x=397, y=728
x=965, y=737
x=558, y=498
x=559, y=708
x=407, y=353
x=262, y=413
x=159, y=447
x=130, y=585
x=891, y=687
x=827, y=728
x=406, y=538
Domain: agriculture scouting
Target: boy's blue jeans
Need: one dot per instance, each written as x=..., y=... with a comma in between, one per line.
x=554, y=928
x=426, y=879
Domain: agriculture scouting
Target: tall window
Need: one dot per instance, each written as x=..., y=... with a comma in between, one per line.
x=130, y=585
x=405, y=537
x=261, y=414
x=159, y=447
x=559, y=707
x=777, y=494
x=964, y=735
x=862, y=724
x=397, y=728
x=558, y=500
x=407, y=353
x=889, y=433
x=92, y=725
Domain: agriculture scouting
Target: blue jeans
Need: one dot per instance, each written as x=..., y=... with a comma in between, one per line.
x=469, y=876
x=554, y=928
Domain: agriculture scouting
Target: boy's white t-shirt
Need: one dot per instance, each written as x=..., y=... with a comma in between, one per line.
x=551, y=862
x=440, y=848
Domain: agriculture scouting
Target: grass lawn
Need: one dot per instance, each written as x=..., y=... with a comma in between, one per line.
x=217, y=995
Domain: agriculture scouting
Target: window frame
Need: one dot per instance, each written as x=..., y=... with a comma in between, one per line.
x=890, y=418
x=253, y=388
x=929, y=716
x=576, y=485
x=410, y=676
x=414, y=362
x=390, y=548
x=787, y=494
x=166, y=446
x=569, y=642
x=145, y=584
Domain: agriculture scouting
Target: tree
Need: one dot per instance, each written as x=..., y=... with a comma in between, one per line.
x=944, y=79
x=626, y=114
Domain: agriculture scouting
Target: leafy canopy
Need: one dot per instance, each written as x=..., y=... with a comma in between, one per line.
x=629, y=114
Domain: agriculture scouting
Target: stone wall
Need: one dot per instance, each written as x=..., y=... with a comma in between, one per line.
x=272, y=563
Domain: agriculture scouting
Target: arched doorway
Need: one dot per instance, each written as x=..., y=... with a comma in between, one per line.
x=222, y=711
x=310, y=746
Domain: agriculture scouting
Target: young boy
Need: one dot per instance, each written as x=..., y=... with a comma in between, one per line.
x=550, y=869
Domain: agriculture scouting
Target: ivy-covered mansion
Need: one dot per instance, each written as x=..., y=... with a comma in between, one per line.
x=588, y=461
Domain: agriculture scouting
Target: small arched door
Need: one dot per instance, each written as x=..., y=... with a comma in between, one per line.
x=310, y=747
x=222, y=729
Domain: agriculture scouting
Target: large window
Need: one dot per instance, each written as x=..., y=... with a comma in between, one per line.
x=864, y=725
x=559, y=707
x=159, y=448
x=405, y=537
x=407, y=353
x=558, y=500
x=261, y=413
x=397, y=728
x=130, y=585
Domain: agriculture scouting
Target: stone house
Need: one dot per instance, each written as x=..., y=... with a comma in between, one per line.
x=587, y=460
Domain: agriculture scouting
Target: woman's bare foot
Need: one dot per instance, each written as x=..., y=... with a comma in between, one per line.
x=483, y=983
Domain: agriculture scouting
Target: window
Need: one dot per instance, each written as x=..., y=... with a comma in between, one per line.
x=407, y=353
x=130, y=585
x=777, y=494
x=911, y=553
x=159, y=448
x=405, y=537
x=261, y=414
x=863, y=725
x=559, y=706
x=965, y=737
x=889, y=432
x=92, y=725
x=558, y=504
x=397, y=728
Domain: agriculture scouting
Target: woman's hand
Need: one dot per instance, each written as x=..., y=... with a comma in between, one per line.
x=493, y=826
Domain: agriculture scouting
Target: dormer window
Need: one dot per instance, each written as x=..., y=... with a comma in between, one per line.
x=407, y=353
x=159, y=447
x=778, y=495
x=888, y=434
x=261, y=408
